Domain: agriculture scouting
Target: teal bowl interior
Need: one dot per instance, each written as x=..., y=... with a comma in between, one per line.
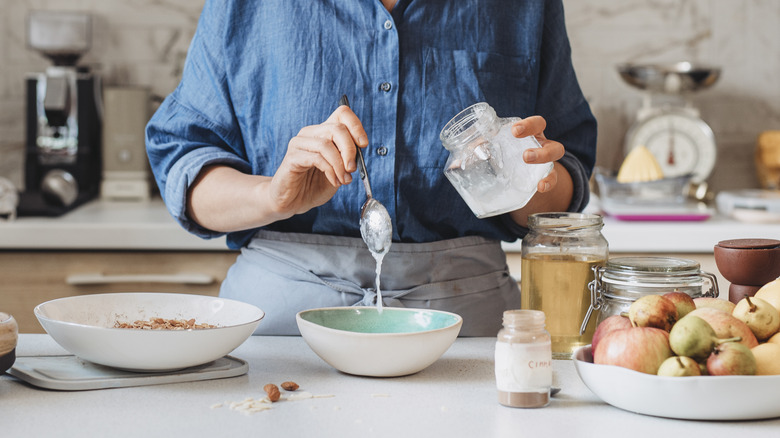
x=390, y=320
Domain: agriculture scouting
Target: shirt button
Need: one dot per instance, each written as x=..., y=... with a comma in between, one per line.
x=388, y=24
x=385, y=86
x=381, y=150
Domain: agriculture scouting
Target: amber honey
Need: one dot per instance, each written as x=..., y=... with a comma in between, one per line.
x=557, y=284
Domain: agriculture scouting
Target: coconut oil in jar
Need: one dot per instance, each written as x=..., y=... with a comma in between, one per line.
x=486, y=163
x=558, y=256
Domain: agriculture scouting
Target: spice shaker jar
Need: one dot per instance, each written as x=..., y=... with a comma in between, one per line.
x=558, y=255
x=621, y=280
x=523, y=360
x=9, y=333
x=486, y=163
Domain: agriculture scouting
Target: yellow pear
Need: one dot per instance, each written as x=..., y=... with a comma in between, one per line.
x=767, y=359
x=770, y=293
x=775, y=339
x=762, y=318
x=714, y=303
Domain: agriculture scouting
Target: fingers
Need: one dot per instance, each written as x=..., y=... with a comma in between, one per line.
x=321, y=147
x=550, y=151
x=548, y=182
x=344, y=116
x=534, y=125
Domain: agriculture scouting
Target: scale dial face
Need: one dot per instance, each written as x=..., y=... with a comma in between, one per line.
x=682, y=143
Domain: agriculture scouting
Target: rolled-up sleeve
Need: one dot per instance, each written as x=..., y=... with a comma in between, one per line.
x=195, y=126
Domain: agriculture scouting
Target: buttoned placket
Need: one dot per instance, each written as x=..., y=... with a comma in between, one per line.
x=385, y=108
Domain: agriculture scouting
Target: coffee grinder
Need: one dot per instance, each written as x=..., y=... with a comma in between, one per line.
x=64, y=118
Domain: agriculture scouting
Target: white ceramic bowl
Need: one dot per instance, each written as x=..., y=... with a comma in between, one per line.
x=691, y=398
x=361, y=341
x=84, y=325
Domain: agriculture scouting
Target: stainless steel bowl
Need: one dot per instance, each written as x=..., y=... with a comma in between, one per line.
x=674, y=78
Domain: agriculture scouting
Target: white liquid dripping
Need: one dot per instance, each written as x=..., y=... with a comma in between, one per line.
x=378, y=257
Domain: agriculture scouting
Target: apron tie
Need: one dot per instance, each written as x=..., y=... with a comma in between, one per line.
x=428, y=291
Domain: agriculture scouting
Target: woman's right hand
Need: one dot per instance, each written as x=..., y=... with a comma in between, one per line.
x=318, y=161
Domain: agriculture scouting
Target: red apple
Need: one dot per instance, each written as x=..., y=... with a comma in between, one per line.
x=641, y=349
x=682, y=301
x=653, y=311
x=731, y=359
x=609, y=324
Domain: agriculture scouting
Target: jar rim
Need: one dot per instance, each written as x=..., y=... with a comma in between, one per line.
x=653, y=265
x=467, y=125
x=564, y=221
x=523, y=317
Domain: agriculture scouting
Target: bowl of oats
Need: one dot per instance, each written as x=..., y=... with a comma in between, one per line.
x=146, y=331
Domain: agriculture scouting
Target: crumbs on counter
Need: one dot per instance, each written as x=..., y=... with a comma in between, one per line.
x=252, y=405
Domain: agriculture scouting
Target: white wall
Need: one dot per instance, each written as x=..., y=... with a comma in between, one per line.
x=143, y=42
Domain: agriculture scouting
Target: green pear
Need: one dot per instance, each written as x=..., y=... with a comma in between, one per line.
x=679, y=366
x=694, y=337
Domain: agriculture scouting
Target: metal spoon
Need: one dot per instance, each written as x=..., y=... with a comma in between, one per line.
x=375, y=225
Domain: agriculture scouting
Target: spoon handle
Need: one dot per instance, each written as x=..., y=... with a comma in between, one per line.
x=361, y=163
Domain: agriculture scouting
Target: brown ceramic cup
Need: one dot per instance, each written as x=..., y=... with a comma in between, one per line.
x=748, y=264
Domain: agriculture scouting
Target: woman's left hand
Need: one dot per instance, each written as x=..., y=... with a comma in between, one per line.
x=554, y=191
x=550, y=151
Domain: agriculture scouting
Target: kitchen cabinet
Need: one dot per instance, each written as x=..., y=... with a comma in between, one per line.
x=32, y=277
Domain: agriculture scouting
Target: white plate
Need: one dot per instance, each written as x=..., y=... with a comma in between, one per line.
x=691, y=398
x=84, y=325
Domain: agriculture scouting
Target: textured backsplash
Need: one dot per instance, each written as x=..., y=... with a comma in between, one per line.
x=144, y=42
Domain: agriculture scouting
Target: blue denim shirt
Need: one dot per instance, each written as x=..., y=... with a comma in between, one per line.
x=259, y=71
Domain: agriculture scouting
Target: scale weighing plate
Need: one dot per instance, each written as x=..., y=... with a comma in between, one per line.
x=70, y=373
x=680, y=140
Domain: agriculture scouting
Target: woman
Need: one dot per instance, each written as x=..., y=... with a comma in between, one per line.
x=253, y=144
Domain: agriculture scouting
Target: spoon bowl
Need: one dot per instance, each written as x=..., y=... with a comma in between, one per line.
x=375, y=226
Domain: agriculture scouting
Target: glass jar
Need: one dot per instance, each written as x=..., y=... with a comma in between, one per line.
x=486, y=163
x=622, y=280
x=9, y=333
x=523, y=360
x=558, y=256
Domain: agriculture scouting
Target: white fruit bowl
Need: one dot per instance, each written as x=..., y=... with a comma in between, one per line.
x=84, y=325
x=691, y=398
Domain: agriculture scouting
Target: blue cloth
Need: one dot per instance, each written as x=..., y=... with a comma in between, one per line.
x=259, y=71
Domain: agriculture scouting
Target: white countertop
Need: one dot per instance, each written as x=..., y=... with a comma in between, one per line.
x=675, y=237
x=105, y=225
x=454, y=397
x=149, y=226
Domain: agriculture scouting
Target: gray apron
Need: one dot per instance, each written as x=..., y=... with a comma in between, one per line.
x=284, y=273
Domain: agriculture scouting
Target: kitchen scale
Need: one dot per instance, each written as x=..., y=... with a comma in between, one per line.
x=674, y=132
